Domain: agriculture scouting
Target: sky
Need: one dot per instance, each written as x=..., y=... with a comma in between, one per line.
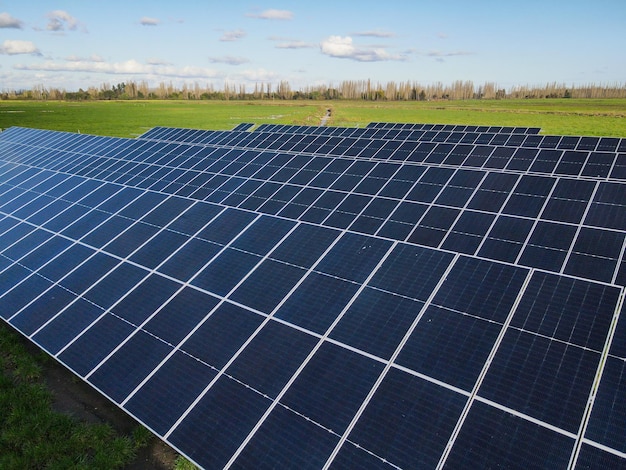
x=72, y=44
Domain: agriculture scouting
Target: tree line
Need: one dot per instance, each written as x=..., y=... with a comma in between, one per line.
x=364, y=90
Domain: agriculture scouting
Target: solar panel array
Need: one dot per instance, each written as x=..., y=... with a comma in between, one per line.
x=399, y=296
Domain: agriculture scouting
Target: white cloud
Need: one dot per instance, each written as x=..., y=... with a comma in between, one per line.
x=155, y=61
x=272, y=15
x=447, y=54
x=375, y=34
x=290, y=43
x=59, y=20
x=92, y=58
x=258, y=75
x=230, y=60
x=235, y=35
x=14, y=47
x=295, y=45
x=343, y=48
x=147, y=21
x=7, y=21
x=129, y=67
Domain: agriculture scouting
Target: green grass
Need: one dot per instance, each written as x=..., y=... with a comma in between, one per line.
x=34, y=436
x=131, y=118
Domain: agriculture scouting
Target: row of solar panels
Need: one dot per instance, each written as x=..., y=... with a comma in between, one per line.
x=557, y=224
x=160, y=273
x=507, y=136
x=611, y=165
x=453, y=127
x=492, y=136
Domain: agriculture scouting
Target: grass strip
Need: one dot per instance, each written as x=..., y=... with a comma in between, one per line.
x=34, y=436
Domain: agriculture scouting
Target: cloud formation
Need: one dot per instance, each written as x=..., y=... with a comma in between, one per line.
x=92, y=58
x=147, y=21
x=447, y=54
x=60, y=20
x=7, y=21
x=258, y=75
x=154, y=61
x=15, y=47
x=375, y=34
x=295, y=45
x=235, y=35
x=343, y=48
x=230, y=60
x=272, y=15
x=129, y=67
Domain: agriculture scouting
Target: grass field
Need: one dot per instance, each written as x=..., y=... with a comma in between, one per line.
x=132, y=118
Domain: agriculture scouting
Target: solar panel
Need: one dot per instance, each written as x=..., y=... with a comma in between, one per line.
x=278, y=298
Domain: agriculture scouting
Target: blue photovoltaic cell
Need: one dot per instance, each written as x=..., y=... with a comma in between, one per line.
x=545, y=379
x=114, y=285
x=108, y=230
x=228, y=225
x=219, y=423
x=29, y=319
x=170, y=391
x=332, y=386
x=618, y=346
x=570, y=310
x=195, y=218
x=189, y=259
x=352, y=456
x=481, y=288
x=504, y=240
x=222, y=334
x=167, y=211
x=607, y=424
x=317, y=302
x=594, y=254
x=94, y=344
x=26, y=244
x=16, y=233
x=131, y=239
x=548, y=246
x=67, y=217
x=180, y=315
x=272, y=357
x=145, y=299
x=22, y=294
x=305, y=245
x=129, y=365
x=226, y=271
x=286, y=439
x=491, y=438
x=592, y=457
x=376, y=322
x=265, y=288
x=353, y=257
x=408, y=421
x=449, y=346
x=45, y=252
x=66, y=324
x=158, y=249
x=84, y=225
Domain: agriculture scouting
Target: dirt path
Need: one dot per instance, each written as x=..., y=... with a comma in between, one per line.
x=325, y=119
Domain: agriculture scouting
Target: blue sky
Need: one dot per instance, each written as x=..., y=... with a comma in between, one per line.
x=82, y=43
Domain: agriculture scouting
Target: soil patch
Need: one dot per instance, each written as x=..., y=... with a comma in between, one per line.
x=76, y=398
